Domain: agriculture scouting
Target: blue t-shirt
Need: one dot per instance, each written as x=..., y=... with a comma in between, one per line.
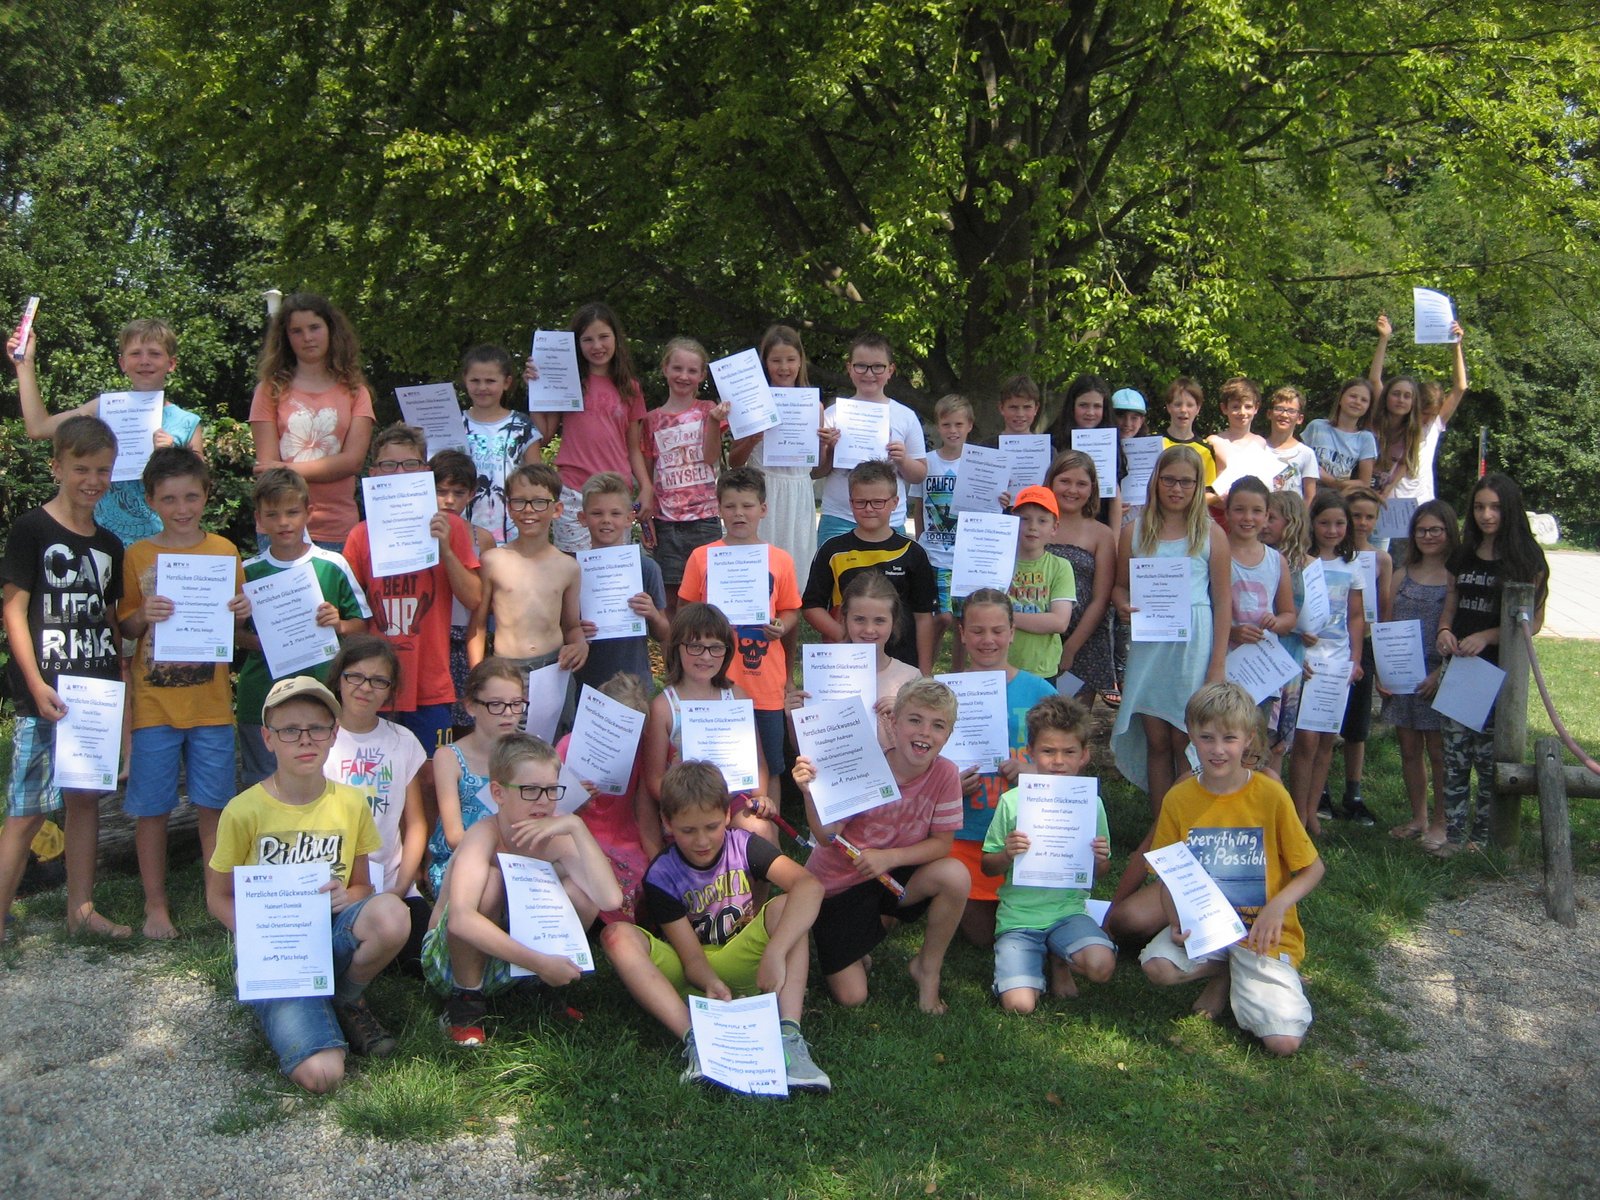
x=122, y=509
x=1022, y=693
x=1339, y=453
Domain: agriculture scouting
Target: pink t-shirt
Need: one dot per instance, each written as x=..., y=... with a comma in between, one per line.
x=313, y=425
x=596, y=439
x=929, y=804
x=686, y=484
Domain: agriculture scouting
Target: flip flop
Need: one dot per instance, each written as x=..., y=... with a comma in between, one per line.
x=1405, y=833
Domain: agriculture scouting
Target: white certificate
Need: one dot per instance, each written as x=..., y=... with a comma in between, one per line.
x=723, y=733
x=1029, y=456
x=540, y=912
x=985, y=553
x=1432, y=315
x=863, y=432
x=547, y=696
x=1097, y=909
x=841, y=740
x=434, y=409
x=743, y=384
x=1323, y=698
x=1365, y=566
x=737, y=582
x=979, y=738
x=576, y=795
x=1261, y=668
x=607, y=579
x=605, y=741
x=134, y=417
x=981, y=475
x=1101, y=446
x=1060, y=815
x=283, y=610
x=1402, y=664
x=1467, y=690
x=740, y=1043
x=1394, y=518
x=1316, y=608
x=399, y=509
x=1140, y=454
x=1204, y=913
x=283, y=931
x=201, y=627
x=559, y=387
x=1159, y=589
x=839, y=672
x=792, y=442
x=88, y=751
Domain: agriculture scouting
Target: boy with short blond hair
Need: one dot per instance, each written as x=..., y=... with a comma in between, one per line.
x=182, y=711
x=1036, y=923
x=1043, y=587
x=467, y=954
x=63, y=577
x=907, y=839
x=1242, y=826
x=608, y=516
x=715, y=941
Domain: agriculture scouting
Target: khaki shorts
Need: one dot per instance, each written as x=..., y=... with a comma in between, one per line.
x=1267, y=997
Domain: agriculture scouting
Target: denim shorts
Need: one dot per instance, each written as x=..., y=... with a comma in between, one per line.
x=430, y=722
x=207, y=756
x=1019, y=953
x=675, y=541
x=256, y=762
x=33, y=790
x=302, y=1026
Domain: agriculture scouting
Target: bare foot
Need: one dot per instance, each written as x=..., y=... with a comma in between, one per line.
x=866, y=963
x=1061, y=981
x=927, y=987
x=1212, y=1001
x=158, y=926
x=1409, y=830
x=92, y=923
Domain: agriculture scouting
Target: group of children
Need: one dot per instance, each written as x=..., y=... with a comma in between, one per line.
x=404, y=763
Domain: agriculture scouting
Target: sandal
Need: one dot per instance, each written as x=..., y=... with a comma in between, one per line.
x=1405, y=833
x=1113, y=698
x=1446, y=849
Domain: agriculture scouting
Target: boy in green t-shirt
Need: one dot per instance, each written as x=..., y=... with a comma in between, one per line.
x=1043, y=589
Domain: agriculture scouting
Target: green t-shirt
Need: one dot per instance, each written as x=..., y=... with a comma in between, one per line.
x=1032, y=907
x=1036, y=584
x=339, y=588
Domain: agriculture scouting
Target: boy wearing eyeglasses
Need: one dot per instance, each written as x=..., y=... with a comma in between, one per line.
x=294, y=816
x=412, y=610
x=468, y=954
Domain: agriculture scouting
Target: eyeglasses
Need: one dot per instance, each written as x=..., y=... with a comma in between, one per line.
x=393, y=466
x=872, y=369
x=1422, y=531
x=701, y=649
x=378, y=683
x=534, y=793
x=1173, y=484
x=499, y=708
x=523, y=503
x=1291, y=409
x=295, y=734
x=866, y=504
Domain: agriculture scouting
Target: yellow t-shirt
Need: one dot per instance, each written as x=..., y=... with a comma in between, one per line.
x=334, y=828
x=177, y=695
x=1250, y=841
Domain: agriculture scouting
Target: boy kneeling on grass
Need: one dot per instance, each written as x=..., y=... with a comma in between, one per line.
x=295, y=815
x=467, y=954
x=1242, y=826
x=717, y=944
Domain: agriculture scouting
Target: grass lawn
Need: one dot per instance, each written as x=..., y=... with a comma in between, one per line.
x=1117, y=1094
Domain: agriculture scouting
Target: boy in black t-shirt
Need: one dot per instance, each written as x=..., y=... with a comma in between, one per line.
x=873, y=545
x=63, y=577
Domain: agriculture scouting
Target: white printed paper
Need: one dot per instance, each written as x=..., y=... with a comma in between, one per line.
x=399, y=510
x=743, y=384
x=839, y=672
x=1316, y=608
x=283, y=931
x=863, y=432
x=740, y=1043
x=1140, y=454
x=737, y=583
x=979, y=737
x=1394, y=518
x=1204, y=913
x=1097, y=910
x=1467, y=690
x=1029, y=456
x=985, y=552
x=1323, y=698
x=134, y=417
x=434, y=409
x=1069, y=685
x=605, y=741
x=283, y=610
x=200, y=630
x=981, y=475
x=1402, y=661
x=540, y=913
x=1159, y=592
x=1101, y=446
x=609, y=577
x=1261, y=668
x=841, y=740
x=88, y=749
x=792, y=442
x=1060, y=815
x=547, y=696
x=723, y=733
x=559, y=387
x=1432, y=315
x=1365, y=566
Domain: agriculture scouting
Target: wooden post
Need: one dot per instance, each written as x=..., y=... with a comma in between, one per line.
x=1511, y=713
x=1556, y=828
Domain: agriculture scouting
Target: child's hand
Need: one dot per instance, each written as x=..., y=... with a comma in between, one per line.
x=33, y=344
x=572, y=655
x=1473, y=644
x=642, y=604
x=1384, y=328
x=1308, y=639
x=590, y=629
x=529, y=371
x=827, y=437
x=1010, y=769
x=158, y=608
x=771, y=972
x=647, y=504
x=1005, y=500
x=971, y=782
x=794, y=698
x=240, y=607
x=48, y=704
x=1429, y=687
x=327, y=614
x=439, y=527
x=1017, y=844
x=338, y=898
x=1243, y=635
x=1267, y=931
x=897, y=452
x=715, y=989
x=719, y=412
x=556, y=970
x=1102, y=852
x=1355, y=672
x=1456, y=332
x=873, y=863
x=757, y=805
x=162, y=439
x=535, y=833
x=775, y=630
x=803, y=771
x=883, y=708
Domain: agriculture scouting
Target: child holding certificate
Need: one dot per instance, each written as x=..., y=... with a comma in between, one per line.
x=608, y=516
x=907, y=839
x=1036, y=923
x=297, y=815
x=1286, y=532
x=468, y=953
x=683, y=442
x=953, y=415
x=1364, y=505
x=1043, y=590
x=63, y=577
x=1262, y=592
x=455, y=480
x=1243, y=828
x=499, y=439
x=182, y=711
x=1343, y=443
x=1091, y=549
x=715, y=940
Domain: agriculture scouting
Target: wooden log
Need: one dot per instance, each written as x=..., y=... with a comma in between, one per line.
x=1555, y=826
x=1523, y=779
x=1511, y=714
x=116, y=834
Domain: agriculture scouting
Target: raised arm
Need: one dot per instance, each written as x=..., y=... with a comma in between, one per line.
x=1458, y=385
x=1379, y=353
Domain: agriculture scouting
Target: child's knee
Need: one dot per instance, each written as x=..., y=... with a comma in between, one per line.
x=1019, y=1000
x=849, y=986
x=1282, y=1044
x=320, y=1073
x=624, y=944
x=949, y=877
x=1094, y=963
x=1162, y=972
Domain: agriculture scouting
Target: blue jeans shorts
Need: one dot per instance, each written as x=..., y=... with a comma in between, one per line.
x=1019, y=953
x=430, y=722
x=33, y=790
x=305, y=1025
x=207, y=756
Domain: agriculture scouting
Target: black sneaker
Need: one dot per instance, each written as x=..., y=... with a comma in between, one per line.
x=362, y=1030
x=1325, y=807
x=1356, y=810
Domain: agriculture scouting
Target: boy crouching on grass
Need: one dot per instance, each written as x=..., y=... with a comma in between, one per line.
x=1036, y=922
x=1243, y=828
x=467, y=954
x=716, y=943
x=296, y=815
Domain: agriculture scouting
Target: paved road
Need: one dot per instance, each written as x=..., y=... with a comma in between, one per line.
x=1573, y=609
